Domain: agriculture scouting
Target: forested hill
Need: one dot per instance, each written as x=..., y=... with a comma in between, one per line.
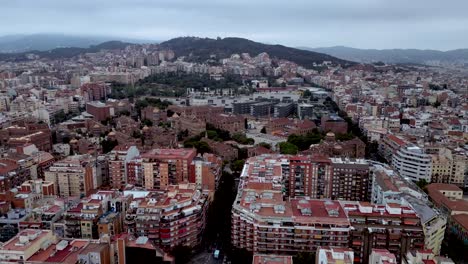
x=200, y=49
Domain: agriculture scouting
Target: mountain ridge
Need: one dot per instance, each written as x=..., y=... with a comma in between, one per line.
x=201, y=49
x=64, y=52
x=47, y=41
x=420, y=56
x=196, y=49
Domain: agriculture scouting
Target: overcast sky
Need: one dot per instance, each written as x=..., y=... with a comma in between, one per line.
x=434, y=24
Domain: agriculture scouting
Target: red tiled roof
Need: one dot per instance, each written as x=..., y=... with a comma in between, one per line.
x=443, y=187
x=461, y=219
x=7, y=165
x=396, y=139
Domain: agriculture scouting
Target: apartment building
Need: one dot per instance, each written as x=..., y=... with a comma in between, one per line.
x=425, y=257
x=82, y=218
x=304, y=177
x=283, y=109
x=24, y=245
x=382, y=256
x=322, y=177
x=351, y=179
x=459, y=175
x=412, y=163
x=119, y=158
x=314, y=176
x=175, y=216
x=389, y=146
x=448, y=197
x=441, y=167
x=42, y=246
x=392, y=226
x=449, y=165
x=164, y=167
x=334, y=255
x=389, y=187
x=259, y=109
x=206, y=171
x=72, y=176
x=135, y=174
x=40, y=187
x=99, y=111
x=262, y=222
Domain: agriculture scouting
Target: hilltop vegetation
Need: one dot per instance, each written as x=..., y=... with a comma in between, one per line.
x=202, y=49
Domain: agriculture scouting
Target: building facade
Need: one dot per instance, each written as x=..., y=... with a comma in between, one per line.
x=72, y=176
x=119, y=158
x=411, y=162
x=173, y=217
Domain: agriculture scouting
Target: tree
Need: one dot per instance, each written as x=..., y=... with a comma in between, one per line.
x=306, y=94
x=288, y=148
x=212, y=134
x=147, y=122
x=304, y=142
x=201, y=146
x=223, y=135
x=265, y=145
x=237, y=166
x=246, y=123
x=242, y=139
x=108, y=145
x=263, y=130
x=422, y=183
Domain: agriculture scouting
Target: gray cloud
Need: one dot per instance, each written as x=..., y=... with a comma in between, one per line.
x=358, y=23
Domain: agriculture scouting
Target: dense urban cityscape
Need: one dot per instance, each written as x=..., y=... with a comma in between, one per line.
x=226, y=150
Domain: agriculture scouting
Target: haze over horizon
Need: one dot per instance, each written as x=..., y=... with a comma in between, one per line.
x=365, y=24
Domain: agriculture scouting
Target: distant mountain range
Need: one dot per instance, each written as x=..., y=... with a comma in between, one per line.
x=428, y=57
x=195, y=49
x=64, y=52
x=201, y=49
x=45, y=42
x=15, y=47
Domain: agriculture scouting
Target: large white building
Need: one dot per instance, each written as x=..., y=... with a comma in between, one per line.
x=412, y=163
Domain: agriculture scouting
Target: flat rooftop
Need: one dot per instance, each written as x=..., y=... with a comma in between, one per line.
x=34, y=236
x=272, y=259
x=170, y=153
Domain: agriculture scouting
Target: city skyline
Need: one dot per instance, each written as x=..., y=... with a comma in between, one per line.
x=360, y=24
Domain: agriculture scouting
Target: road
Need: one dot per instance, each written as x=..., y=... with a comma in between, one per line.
x=206, y=258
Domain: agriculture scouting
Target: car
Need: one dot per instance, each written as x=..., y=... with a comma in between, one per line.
x=216, y=254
